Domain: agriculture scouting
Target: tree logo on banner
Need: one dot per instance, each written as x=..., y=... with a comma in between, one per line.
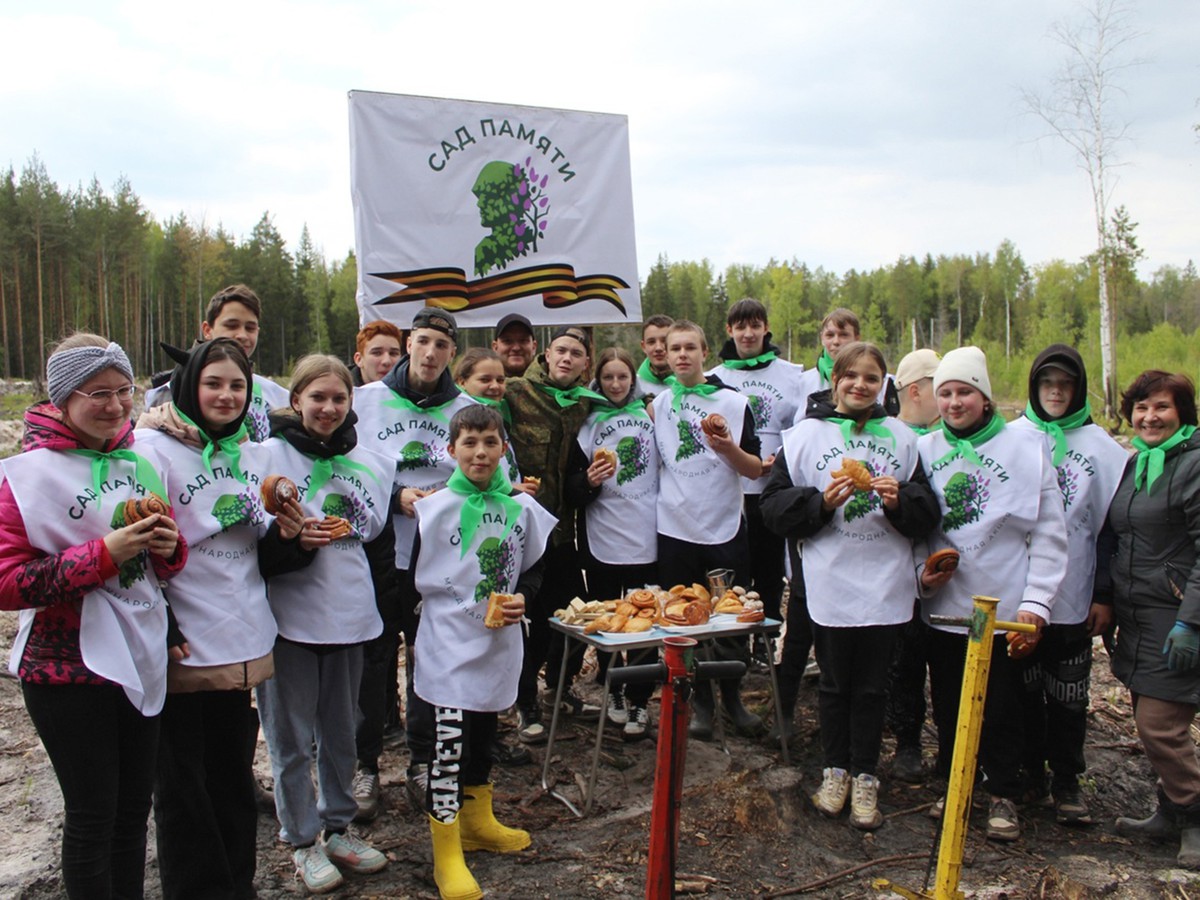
x=513, y=204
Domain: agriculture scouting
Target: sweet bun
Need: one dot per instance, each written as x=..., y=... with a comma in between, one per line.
x=276, y=491
x=714, y=425
x=752, y=615
x=856, y=472
x=945, y=560
x=643, y=598
x=605, y=455
x=150, y=505
x=638, y=624
x=494, y=617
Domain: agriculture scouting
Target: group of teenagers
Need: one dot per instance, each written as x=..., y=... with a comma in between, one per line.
x=162, y=580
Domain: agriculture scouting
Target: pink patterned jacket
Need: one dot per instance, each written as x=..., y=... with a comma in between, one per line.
x=56, y=585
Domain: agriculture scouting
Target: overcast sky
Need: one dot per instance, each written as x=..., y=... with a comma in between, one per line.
x=841, y=134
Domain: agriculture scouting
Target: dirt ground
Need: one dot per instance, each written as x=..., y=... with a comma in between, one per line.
x=747, y=829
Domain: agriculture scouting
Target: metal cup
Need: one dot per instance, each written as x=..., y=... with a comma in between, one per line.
x=719, y=581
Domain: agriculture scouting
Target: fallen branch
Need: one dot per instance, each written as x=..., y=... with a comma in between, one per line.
x=813, y=885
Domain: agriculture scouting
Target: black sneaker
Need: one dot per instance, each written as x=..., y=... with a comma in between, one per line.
x=505, y=754
x=1069, y=806
x=530, y=729
x=572, y=705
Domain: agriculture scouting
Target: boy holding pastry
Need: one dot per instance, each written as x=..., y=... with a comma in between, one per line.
x=476, y=561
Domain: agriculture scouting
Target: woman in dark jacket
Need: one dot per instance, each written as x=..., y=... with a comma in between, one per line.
x=1156, y=597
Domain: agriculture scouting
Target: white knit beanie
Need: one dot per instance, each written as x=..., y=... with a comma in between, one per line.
x=68, y=369
x=965, y=364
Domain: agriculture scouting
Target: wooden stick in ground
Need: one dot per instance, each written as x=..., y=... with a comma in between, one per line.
x=813, y=885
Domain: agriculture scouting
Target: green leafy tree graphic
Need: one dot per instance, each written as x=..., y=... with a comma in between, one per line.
x=132, y=570
x=233, y=509
x=863, y=501
x=760, y=409
x=633, y=455
x=966, y=499
x=337, y=505
x=495, y=564
x=415, y=455
x=691, y=440
x=512, y=203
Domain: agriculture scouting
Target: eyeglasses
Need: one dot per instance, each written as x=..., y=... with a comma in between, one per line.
x=101, y=398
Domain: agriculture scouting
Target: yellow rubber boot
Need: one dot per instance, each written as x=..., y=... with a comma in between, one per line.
x=480, y=830
x=454, y=879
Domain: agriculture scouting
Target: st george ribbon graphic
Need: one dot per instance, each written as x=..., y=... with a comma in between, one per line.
x=449, y=289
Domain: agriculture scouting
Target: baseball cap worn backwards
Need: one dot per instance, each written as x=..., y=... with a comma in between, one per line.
x=438, y=320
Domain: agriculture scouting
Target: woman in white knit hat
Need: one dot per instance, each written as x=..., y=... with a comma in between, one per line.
x=1002, y=511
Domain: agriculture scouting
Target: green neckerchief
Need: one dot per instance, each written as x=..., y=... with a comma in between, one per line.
x=644, y=371
x=1150, y=459
x=761, y=360
x=825, y=366
x=397, y=401
x=501, y=406
x=965, y=447
x=256, y=389
x=323, y=468
x=919, y=430
x=871, y=426
x=678, y=389
x=632, y=408
x=227, y=445
x=571, y=396
x=1056, y=427
x=475, y=504
x=143, y=471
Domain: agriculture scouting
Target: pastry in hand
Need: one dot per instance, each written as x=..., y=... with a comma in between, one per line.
x=714, y=425
x=276, y=491
x=494, y=617
x=336, y=527
x=605, y=455
x=143, y=508
x=945, y=560
x=856, y=472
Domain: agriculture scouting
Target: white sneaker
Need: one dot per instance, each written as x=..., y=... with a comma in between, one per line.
x=313, y=866
x=350, y=852
x=618, y=713
x=864, y=793
x=639, y=721
x=835, y=785
x=365, y=788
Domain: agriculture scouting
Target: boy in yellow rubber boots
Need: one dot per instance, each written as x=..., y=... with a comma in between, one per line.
x=476, y=539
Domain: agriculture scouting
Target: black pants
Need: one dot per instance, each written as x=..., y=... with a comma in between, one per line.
x=562, y=580
x=682, y=562
x=797, y=640
x=906, y=691
x=418, y=715
x=461, y=757
x=766, y=558
x=204, y=806
x=853, y=687
x=1001, y=742
x=1055, y=681
x=103, y=752
x=377, y=689
x=608, y=582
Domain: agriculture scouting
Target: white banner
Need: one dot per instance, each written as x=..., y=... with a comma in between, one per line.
x=486, y=210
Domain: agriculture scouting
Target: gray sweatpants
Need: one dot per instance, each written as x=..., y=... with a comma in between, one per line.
x=312, y=699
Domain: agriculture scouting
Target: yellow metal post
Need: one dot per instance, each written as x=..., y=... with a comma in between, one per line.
x=981, y=628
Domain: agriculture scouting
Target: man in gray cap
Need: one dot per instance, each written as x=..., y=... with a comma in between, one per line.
x=515, y=344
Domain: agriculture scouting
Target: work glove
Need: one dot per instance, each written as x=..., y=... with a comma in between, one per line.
x=1182, y=648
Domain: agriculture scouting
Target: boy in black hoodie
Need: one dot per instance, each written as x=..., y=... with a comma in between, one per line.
x=1056, y=674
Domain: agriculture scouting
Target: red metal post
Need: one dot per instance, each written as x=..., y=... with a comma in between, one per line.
x=678, y=654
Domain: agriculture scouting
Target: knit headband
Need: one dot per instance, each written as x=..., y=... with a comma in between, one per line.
x=68, y=369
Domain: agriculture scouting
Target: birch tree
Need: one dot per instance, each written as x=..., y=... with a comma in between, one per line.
x=1080, y=107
